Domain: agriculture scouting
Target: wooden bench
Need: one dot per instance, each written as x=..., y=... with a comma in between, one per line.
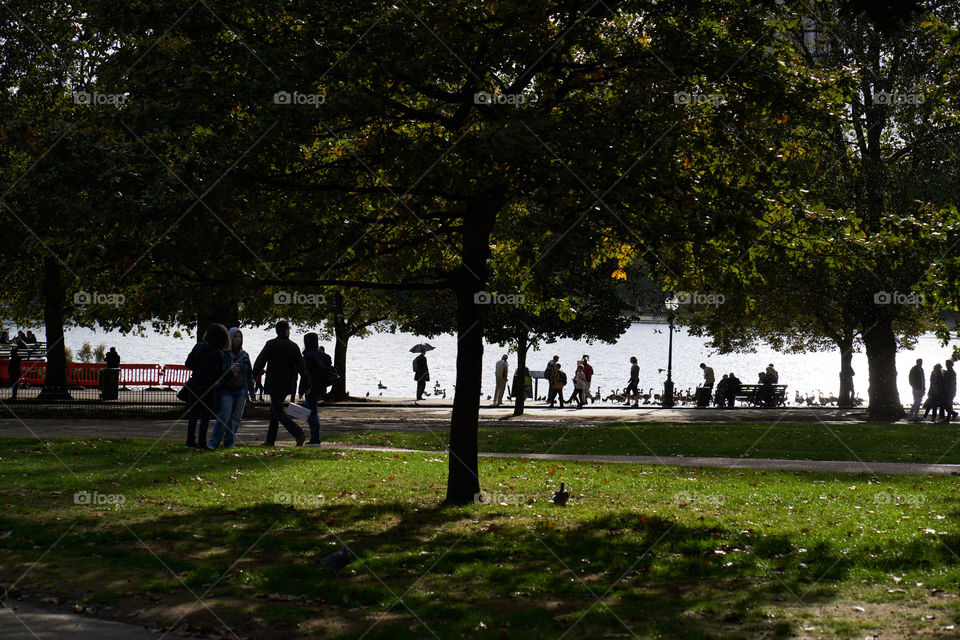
x=36, y=351
x=752, y=395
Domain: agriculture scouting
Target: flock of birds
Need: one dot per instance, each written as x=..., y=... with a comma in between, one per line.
x=648, y=397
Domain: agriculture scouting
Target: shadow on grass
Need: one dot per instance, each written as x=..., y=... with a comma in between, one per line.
x=453, y=570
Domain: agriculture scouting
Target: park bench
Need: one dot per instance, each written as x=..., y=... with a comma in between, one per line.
x=36, y=351
x=752, y=394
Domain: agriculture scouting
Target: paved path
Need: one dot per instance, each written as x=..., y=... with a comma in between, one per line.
x=23, y=621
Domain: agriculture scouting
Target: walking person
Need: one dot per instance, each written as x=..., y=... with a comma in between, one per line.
x=588, y=374
x=235, y=385
x=548, y=376
x=557, y=383
x=206, y=366
x=421, y=372
x=283, y=362
x=330, y=375
x=317, y=367
x=500, y=375
x=949, y=392
x=918, y=383
x=934, y=393
x=573, y=392
x=633, y=382
x=579, y=384
x=14, y=371
x=112, y=358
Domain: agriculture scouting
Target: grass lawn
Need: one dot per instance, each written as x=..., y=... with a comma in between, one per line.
x=868, y=442
x=210, y=543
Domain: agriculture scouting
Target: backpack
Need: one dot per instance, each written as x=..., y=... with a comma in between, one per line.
x=560, y=380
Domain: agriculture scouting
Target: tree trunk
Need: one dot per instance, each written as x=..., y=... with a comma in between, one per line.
x=463, y=482
x=881, y=347
x=55, y=381
x=338, y=391
x=846, y=373
x=520, y=397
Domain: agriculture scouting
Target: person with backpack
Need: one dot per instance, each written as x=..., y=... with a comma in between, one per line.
x=235, y=385
x=557, y=383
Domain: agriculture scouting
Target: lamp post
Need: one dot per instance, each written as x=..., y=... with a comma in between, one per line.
x=666, y=400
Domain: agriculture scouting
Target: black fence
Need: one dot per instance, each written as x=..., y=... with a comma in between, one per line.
x=160, y=403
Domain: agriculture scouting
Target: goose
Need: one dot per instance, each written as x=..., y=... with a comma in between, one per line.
x=380, y=385
x=646, y=396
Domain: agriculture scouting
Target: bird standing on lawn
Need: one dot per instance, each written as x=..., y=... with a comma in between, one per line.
x=560, y=497
x=337, y=560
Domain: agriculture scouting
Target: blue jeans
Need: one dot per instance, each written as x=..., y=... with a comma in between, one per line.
x=313, y=420
x=228, y=418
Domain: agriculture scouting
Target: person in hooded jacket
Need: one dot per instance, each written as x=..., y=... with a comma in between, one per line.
x=206, y=365
x=235, y=385
x=317, y=365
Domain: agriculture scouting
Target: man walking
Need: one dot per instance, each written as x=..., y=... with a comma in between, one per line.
x=548, y=375
x=918, y=383
x=421, y=372
x=588, y=374
x=501, y=378
x=949, y=391
x=283, y=361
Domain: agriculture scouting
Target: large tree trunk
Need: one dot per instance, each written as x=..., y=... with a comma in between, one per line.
x=463, y=482
x=881, y=347
x=520, y=397
x=55, y=381
x=846, y=372
x=339, y=389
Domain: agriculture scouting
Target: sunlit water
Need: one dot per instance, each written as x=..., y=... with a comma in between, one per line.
x=385, y=358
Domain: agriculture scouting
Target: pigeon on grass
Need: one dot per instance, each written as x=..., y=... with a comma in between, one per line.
x=560, y=497
x=337, y=560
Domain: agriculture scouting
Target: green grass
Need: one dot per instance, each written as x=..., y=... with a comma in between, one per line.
x=652, y=551
x=929, y=443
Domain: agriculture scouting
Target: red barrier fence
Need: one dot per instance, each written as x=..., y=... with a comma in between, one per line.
x=84, y=374
x=140, y=375
x=175, y=375
x=87, y=374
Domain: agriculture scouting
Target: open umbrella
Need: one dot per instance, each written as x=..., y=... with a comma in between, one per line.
x=417, y=348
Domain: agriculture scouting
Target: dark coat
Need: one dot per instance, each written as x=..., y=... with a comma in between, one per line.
x=949, y=389
x=13, y=367
x=112, y=359
x=420, y=369
x=917, y=381
x=206, y=365
x=283, y=362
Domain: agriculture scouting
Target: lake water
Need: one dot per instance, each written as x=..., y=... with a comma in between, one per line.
x=386, y=358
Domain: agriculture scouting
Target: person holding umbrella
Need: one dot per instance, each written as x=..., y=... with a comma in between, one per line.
x=421, y=373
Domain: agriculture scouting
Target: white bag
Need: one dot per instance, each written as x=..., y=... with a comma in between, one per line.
x=297, y=412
